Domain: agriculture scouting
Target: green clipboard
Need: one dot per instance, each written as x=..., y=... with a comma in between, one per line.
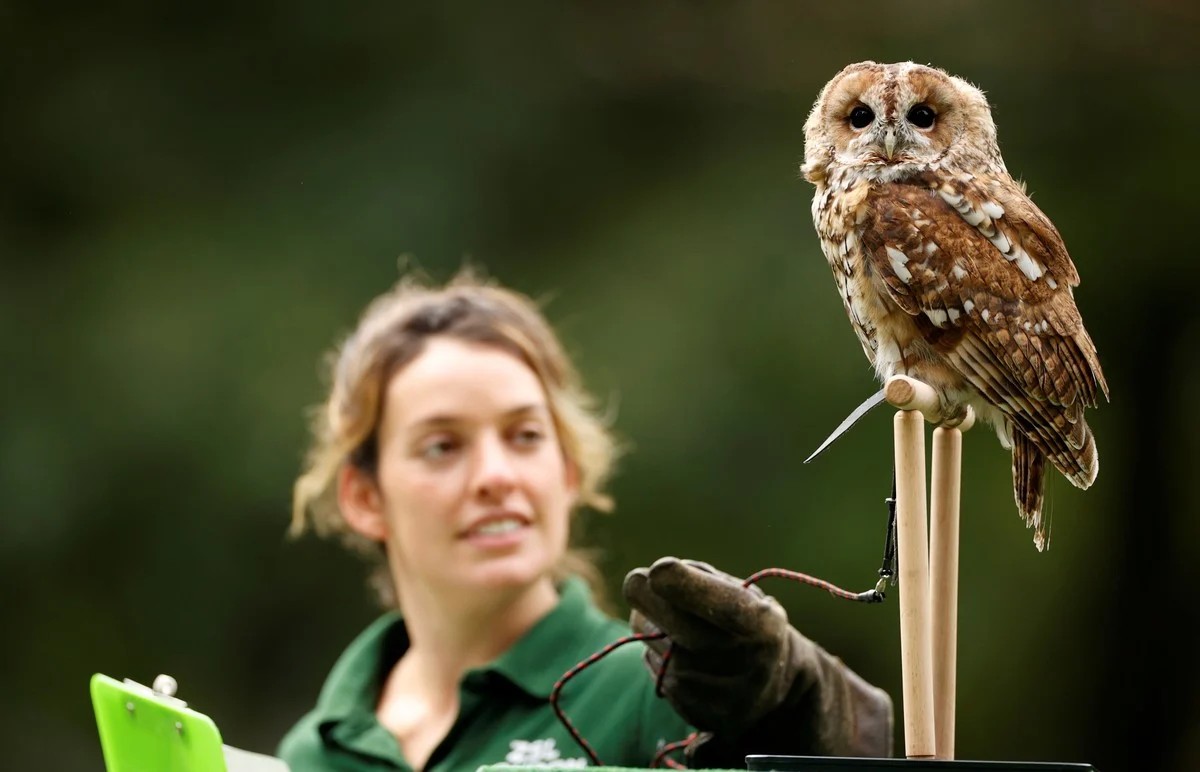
x=146, y=729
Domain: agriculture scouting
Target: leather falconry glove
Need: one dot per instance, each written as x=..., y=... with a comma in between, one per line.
x=744, y=677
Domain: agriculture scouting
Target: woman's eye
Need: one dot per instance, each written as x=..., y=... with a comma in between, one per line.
x=528, y=436
x=436, y=449
x=861, y=117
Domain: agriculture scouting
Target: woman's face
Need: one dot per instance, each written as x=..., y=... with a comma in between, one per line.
x=473, y=489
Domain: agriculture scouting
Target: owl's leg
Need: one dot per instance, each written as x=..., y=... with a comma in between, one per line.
x=954, y=409
x=952, y=401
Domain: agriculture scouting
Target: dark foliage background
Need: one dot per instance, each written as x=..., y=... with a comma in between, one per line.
x=197, y=199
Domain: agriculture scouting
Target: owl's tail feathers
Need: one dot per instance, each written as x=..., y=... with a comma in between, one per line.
x=1078, y=459
x=1029, y=467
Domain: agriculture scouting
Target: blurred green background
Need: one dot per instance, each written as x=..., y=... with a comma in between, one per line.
x=197, y=200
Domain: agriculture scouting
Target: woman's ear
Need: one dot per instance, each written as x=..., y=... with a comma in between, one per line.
x=572, y=472
x=360, y=503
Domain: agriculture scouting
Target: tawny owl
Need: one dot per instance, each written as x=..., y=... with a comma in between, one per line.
x=948, y=271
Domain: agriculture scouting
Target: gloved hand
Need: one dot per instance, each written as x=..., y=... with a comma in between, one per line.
x=744, y=676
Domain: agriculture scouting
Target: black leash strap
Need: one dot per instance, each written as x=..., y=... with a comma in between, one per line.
x=887, y=572
x=849, y=421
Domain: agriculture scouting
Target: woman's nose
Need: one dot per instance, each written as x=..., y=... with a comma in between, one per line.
x=494, y=472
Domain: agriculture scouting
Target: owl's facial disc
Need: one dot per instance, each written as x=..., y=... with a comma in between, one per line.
x=894, y=138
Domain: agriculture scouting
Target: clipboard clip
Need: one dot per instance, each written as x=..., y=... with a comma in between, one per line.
x=163, y=690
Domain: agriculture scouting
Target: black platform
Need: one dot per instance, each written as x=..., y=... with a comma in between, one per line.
x=843, y=764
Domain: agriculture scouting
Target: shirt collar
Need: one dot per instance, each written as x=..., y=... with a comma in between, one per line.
x=556, y=643
x=357, y=678
x=559, y=641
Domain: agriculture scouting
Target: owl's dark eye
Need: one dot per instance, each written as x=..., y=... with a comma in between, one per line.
x=861, y=117
x=922, y=116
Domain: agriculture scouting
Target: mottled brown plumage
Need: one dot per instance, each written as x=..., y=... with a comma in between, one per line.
x=948, y=271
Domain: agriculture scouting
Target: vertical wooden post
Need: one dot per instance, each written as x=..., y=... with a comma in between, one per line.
x=928, y=566
x=944, y=521
x=912, y=552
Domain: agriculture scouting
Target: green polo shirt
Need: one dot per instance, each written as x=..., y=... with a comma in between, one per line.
x=504, y=714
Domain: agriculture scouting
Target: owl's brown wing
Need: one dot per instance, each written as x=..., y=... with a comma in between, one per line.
x=988, y=280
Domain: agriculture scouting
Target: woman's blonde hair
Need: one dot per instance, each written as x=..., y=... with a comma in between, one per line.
x=391, y=333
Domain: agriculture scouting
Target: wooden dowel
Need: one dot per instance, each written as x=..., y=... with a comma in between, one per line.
x=912, y=552
x=944, y=497
x=910, y=394
x=907, y=393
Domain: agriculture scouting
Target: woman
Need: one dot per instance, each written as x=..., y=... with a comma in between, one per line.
x=455, y=445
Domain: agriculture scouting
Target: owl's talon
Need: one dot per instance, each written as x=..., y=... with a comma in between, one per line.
x=953, y=414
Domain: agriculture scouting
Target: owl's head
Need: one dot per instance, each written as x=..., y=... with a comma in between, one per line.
x=892, y=120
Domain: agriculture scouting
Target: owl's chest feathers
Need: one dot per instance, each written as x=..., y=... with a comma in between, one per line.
x=890, y=337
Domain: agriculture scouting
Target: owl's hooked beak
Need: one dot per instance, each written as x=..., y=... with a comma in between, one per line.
x=889, y=143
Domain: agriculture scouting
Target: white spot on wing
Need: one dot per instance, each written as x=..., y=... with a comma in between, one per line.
x=1028, y=267
x=1050, y=281
x=930, y=247
x=958, y=272
x=968, y=306
x=953, y=314
x=993, y=210
x=984, y=314
x=953, y=199
x=899, y=262
x=937, y=316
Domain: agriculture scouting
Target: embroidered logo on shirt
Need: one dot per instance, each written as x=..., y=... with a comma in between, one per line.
x=539, y=753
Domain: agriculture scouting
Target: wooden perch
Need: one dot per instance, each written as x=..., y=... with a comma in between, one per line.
x=927, y=565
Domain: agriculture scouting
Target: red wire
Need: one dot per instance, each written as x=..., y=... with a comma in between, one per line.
x=567, y=676
x=662, y=755
x=783, y=573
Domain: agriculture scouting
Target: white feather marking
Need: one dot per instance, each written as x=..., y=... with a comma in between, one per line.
x=1001, y=241
x=958, y=272
x=1027, y=265
x=937, y=316
x=968, y=306
x=899, y=262
x=992, y=210
x=953, y=199
x=984, y=314
x=930, y=247
x=1026, y=325
x=1050, y=281
x=954, y=314
x=972, y=216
